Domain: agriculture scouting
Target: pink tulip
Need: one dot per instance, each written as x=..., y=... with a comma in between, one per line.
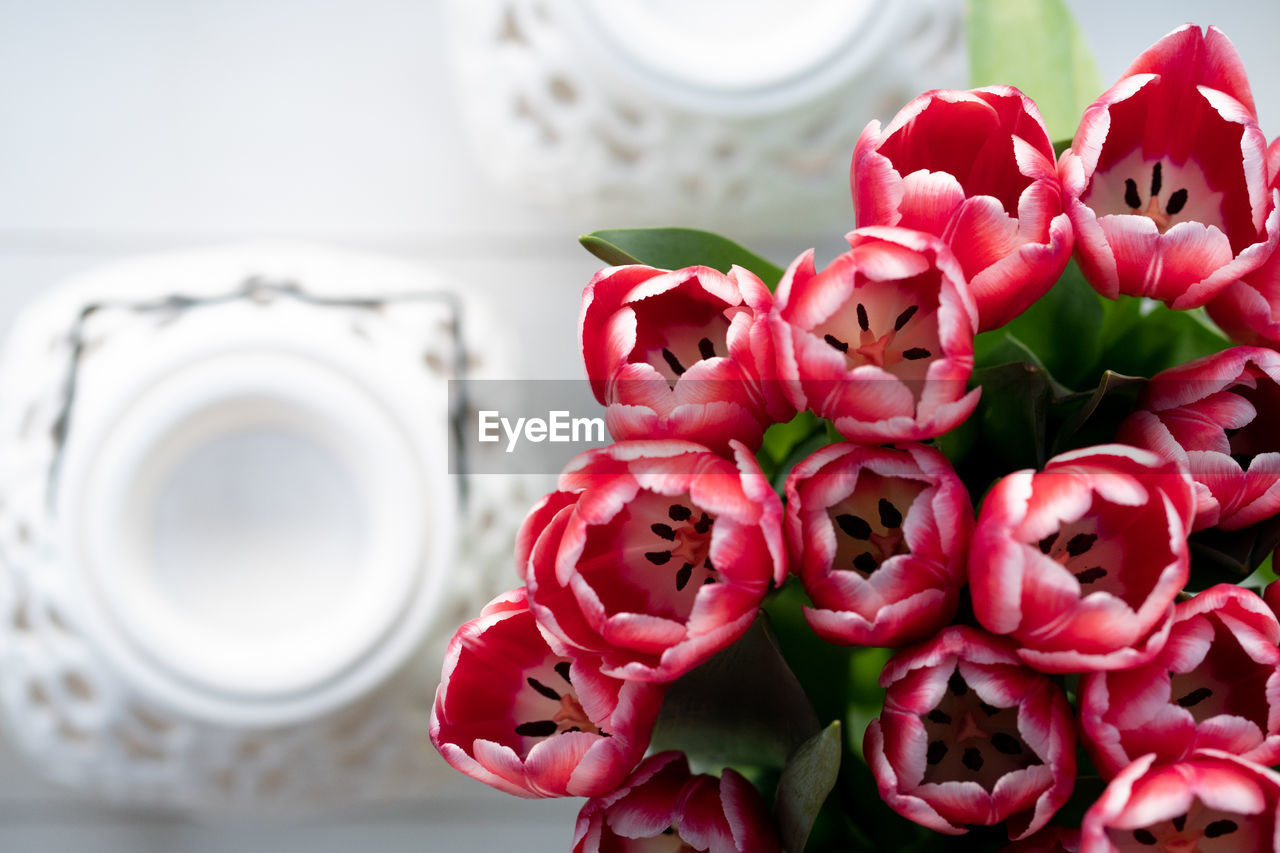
x=653, y=554
x=1248, y=310
x=969, y=736
x=1215, y=685
x=1212, y=801
x=1166, y=178
x=1217, y=416
x=977, y=169
x=881, y=341
x=663, y=807
x=683, y=354
x=1080, y=563
x=878, y=537
x=515, y=715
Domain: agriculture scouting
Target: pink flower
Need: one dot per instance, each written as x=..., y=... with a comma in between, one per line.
x=1211, y=801
x=663, y=807
x=683, y=354
x=1166, y=179
x=881, y=341
x=977, y=169
x=1248, y=310
x=1215, y=685
x=1217, y=416
x=517, y=716
x=969, y=736
x=653, y=554
x=1081, y=562
x=878, y=537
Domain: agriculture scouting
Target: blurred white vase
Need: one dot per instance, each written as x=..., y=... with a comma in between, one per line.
x=231, y=544
x=715, y=109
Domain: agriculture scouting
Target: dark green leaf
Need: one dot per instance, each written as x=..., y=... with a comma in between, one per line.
x=786, y=444
x=1231, y=556
x=743, y=706
x=674, y=248
x=1141, y=338
x=1093, y=417
x=823, y=668
x=1036, y=46
x=806, y=781
x=1061, y=328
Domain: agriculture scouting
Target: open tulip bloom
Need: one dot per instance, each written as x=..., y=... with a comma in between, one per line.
x=776, y=575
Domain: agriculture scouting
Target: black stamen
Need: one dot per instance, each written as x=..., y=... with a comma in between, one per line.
x=854, y=525
x=836, y=342
x=707, y=563
x=541, y=728
x=1179, y=822
x=658, y=558
x=682, y=576
x=863, y=323
x=679, y=512
x=706, y=349
x=905, y=317
x=1155, y=179
x=939, y=716
x=1047, y=542
x=972, y=759
x=670, y=830
x=916, y=353
x=1006, y=743
x=937, y=752
x=864, y=562
x=989, y=710
x=889, y=515
x=572, y=729
x=708, y=580
x=1091, y=575
x=1195, y=697
x=956, y=684
x=1131, y=194
x=1080, y=543
x=1144, y=836
x=674, y=363
x=563, y=669
x=543, y=689
x=1176, y=202
x=703, y=524
x=1220, y=827
x=664, y=530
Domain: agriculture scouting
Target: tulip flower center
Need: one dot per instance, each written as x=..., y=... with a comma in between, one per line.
x=971, y=740
x=549, y=706
x=870, y=521
x=888, y=324
x=1259, y=435
x=675, y=332
x=1200, y=829
x=1225, y=681
x=668, y=841
x=1164, y=192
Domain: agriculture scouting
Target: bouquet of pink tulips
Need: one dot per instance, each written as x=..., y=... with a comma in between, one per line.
x=774, y=583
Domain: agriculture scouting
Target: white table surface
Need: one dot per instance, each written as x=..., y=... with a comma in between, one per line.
x=142, y=125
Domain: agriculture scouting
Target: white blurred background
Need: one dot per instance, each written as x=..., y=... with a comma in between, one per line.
x=144, y=125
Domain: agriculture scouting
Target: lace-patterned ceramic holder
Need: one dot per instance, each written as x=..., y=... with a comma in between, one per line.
x=656, y=109
x=228, y=532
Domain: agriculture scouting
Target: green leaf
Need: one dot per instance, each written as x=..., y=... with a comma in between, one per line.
x=674, y=248
x=1099, y=413
x=1036, y=46
x=806, y=782
x=786, y=444
x=1061, y=328
x=744, y=706
x=1140, y=337
x=1231, y=556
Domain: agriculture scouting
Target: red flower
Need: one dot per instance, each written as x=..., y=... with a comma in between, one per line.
x=1081, y=562
x=1215, y=685
x=1211, y=801
x=517, y=716
x=977, y=169
x=881, y=341
x=683, y=354
x=653, y=554
x=662, y=807
x=1166, y=178
x=1217, y=416
x=1248, y=310
x=969, y=736
x=878, y=537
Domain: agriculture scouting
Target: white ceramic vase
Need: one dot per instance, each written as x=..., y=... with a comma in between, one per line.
x=231, y=546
